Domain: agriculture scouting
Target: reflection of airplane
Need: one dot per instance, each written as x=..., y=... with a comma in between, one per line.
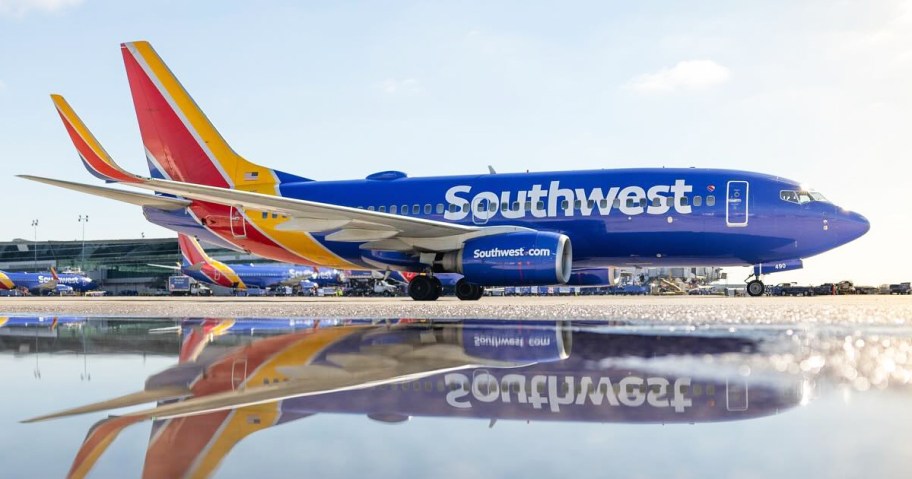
x=495, y=230
x=201, y=267
x=47, y=283
x=470, y=369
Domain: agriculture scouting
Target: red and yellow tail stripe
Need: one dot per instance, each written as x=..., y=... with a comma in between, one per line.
x=181, y=140
x=178, y=134
x=217, y=272
x=96, y=159
x=6, y=282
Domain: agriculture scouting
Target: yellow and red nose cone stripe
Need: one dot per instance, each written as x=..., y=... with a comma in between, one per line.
x=5, y=282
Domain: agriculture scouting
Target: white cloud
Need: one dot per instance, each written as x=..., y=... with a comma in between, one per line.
x=686, y=75
x=393, y=86
x=20, y=8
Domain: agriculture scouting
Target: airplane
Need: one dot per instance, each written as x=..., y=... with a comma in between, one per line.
x=519, y=229
x=473, y=369
x=47, y=283
x=201, y=267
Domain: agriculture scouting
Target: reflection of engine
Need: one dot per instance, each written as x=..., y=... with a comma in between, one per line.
x=521, y=343
x=516, y=259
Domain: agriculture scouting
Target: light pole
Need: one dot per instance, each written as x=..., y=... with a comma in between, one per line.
x=35, y=227
x=83, y=219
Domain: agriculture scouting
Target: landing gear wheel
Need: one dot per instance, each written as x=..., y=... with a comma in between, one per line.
x=436, y=289
x=479, y=292
x=467, y=291
x=424, y=288
x=755, y=288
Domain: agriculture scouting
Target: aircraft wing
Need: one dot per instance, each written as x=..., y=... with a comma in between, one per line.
x=380, y=230
x=139, y=199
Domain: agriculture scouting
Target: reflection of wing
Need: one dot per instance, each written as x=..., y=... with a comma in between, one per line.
x=381, y=230
x=356, y=372
x=133, y=399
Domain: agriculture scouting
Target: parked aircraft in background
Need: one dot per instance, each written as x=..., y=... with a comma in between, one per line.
x=47, y=283
x=495, y=229
x=487, y=370
x=201, y=267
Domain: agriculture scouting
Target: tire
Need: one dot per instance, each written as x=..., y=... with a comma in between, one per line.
x=755, y=288
x=421, y=288
x=465, y=290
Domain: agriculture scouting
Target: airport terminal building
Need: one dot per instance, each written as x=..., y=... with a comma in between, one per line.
x=119, y=265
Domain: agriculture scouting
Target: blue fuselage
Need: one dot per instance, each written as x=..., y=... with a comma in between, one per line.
x=624, y=217
x=35, y=281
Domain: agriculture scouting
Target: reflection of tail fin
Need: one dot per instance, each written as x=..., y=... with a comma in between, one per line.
x=181, y=143
x=195, y=446
x=93, y=155
x=96, y=443
x=6, y=282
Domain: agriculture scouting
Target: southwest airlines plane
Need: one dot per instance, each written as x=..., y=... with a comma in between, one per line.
x=201, y=267
x=47, y=283
x=494, y=229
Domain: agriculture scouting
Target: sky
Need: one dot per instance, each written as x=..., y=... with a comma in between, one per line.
x=816, y=91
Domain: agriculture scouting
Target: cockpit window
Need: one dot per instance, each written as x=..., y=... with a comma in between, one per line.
x=801, y=196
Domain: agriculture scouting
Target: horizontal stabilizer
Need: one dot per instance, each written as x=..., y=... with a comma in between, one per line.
x=139, y=199
x=133, y=399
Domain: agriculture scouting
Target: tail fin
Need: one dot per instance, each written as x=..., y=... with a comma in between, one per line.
x=6, y=282
x=93, y=155
x=181, y=143
x=191, y=251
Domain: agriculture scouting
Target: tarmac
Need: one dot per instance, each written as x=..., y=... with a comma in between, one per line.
x=864, y=311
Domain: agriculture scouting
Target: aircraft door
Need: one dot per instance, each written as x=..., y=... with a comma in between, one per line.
x=482, y=210
x=736, y=204
x=736, y=395
x=238, y=373
x=238, y=223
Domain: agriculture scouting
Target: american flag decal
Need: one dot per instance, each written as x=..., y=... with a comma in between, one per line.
x=251, y=175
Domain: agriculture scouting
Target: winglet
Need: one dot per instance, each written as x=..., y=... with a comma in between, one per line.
x=93, y=155
x=54, y=274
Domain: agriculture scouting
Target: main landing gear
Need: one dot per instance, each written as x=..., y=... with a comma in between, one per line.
x=467, y=291
x=755, y=287
x=424, y=288
x=428, y=288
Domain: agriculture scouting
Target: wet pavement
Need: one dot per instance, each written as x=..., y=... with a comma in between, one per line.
x=393, y=396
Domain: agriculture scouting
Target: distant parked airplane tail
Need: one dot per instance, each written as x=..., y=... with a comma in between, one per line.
x=181, y=143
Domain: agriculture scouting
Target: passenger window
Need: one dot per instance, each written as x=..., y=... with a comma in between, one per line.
x=616, y=203
x=630, y=202
x=515, y=206
x=265, y=215
x=710, y=200
x=394, y=209
x=578, y=204
x=657, y=201
x=603, y=203
x=439, y=208
x=275, y=215
x=684, y=201
x=453, y=208
x=590, y=204
x=382, y=209
x=528, y=205
x=465, y=207
x=492, y=206
x=370, y=208
x=698, y=200
x=565, y=204
x=404, y=209
x=416, y=209
x=540, y=205
x=427, y=209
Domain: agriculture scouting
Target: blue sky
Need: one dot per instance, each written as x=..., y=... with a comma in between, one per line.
x=815, y=91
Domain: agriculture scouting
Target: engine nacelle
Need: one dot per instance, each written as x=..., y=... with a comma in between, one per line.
x=513, y=259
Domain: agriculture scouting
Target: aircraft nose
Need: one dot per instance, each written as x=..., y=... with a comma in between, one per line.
x=853, y=225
